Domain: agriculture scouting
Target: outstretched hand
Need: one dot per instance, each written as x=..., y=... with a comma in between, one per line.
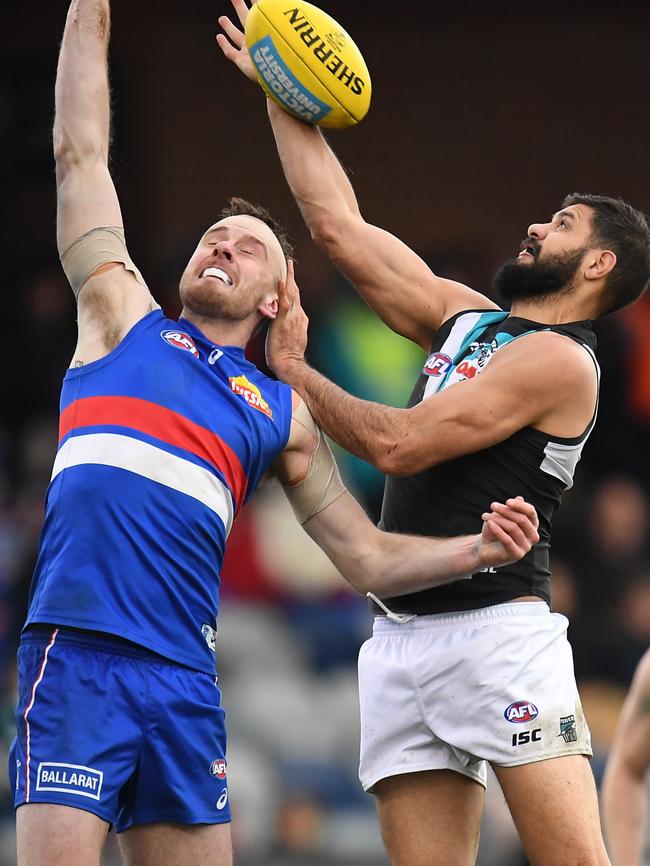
x=509, y=532
x=286, y=340
x=233, y=44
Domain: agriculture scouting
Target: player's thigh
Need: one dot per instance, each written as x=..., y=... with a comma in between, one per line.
x=177, y=845
x=430, y=817
x=555, y=808
x=53, y=835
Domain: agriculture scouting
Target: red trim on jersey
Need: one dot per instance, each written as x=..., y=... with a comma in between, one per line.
x=164, y=424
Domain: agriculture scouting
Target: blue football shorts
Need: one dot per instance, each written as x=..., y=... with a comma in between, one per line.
x=109, y=727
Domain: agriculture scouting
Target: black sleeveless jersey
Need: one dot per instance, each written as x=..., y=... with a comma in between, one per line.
x=448, y=499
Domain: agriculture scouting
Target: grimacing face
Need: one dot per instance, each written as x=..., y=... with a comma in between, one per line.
x=234, y=271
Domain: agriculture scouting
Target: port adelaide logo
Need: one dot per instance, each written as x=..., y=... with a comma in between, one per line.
x=520, y=712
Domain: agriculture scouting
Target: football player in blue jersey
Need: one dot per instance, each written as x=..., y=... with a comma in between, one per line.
x=166, y=429
x=504, y=399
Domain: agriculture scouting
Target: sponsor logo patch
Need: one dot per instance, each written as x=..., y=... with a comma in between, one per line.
x=568, y=729
x=437, y=364
x=180, y=340
x=210, y=636
x=69, y=779
x=251, y=393
x=523, y=737
x=223, y=799
x=218, y=768
x=520, y=712
x=284, y=84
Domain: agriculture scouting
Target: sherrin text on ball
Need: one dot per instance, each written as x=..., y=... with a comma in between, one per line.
x=307, y=63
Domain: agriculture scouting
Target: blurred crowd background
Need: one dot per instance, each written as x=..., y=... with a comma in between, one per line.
x=481, y=122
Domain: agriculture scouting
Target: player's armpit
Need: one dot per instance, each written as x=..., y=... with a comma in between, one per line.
x=544, y=380
x=111, y=293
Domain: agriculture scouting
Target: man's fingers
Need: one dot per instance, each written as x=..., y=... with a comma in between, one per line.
x=505, y=539
x=514, y=531
x=516, y=510
x=241, y=9
x=234, y=33
x=229, y=51
x=507, y=518
x=520, y=504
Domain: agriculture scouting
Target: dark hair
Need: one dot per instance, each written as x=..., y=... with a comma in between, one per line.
x=241, y=207
x=617, y=226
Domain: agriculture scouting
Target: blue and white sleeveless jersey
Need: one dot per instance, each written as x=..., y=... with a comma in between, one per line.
x=160, y=444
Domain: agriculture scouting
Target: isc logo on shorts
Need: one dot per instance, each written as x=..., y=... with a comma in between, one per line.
x=520, y=712
x=69, y=779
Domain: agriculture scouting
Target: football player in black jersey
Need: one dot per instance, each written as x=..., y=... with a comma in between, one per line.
x=480, y=670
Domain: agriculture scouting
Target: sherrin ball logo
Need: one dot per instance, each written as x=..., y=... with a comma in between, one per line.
x=520, y=712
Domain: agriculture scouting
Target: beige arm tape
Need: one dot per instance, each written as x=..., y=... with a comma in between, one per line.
x=322, y=484
x=97, y=247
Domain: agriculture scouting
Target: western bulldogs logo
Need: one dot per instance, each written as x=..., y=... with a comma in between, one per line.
x=180, y=340
x=218, y=768
x=437, y=364
x=520, y=712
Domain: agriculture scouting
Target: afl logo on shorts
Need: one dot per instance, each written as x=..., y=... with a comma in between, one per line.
x=437, y=364
x=179, y=340
x=218, y=768
x=520, y=712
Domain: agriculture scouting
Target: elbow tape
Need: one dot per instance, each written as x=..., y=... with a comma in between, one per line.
x=97, y=247
x=322, y=484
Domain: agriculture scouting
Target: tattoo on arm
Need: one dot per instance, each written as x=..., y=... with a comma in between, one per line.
x=77, y=363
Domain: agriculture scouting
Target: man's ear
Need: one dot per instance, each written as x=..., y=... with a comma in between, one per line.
x=602, y=264
x=269, y=307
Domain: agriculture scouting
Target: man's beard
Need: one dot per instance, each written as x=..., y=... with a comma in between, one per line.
x=204, y=301
x=554, y=276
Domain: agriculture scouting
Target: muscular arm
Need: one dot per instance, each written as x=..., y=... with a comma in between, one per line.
x=624, y=794
x=390, y=564
x=390, y=276
x=112, y=299
x=543, y=380
x=394, y=281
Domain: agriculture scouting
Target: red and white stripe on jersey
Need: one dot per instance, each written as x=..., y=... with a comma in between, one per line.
x=144, y=458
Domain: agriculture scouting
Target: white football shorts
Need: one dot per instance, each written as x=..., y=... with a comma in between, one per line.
x=453, y=691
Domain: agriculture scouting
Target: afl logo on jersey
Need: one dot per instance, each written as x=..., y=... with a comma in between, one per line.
x=218, y=768
x=520, y=712
x=180, y=340
x=437, y=364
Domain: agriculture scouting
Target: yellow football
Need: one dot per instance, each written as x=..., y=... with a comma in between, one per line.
x=307, y=63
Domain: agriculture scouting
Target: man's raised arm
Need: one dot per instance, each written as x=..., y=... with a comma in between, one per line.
x=392, y=278
x=384, y=563
x=86, y=197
